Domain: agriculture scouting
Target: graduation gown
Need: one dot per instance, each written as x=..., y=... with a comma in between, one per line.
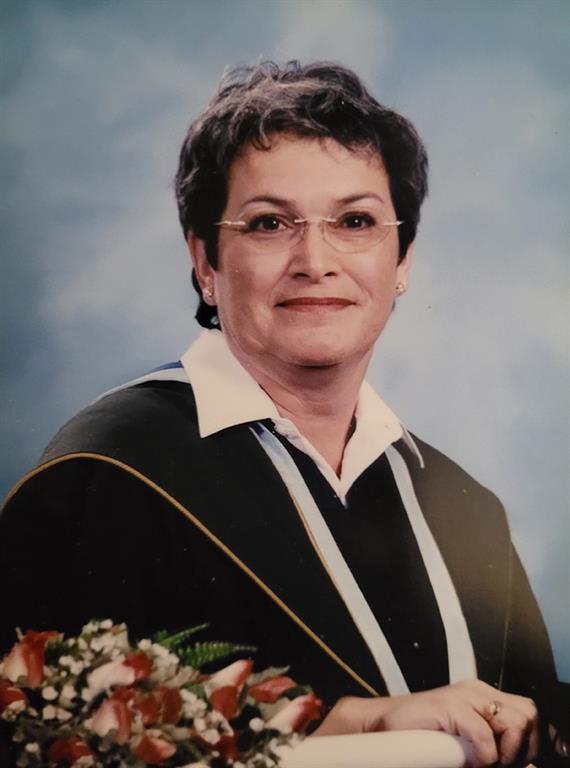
x=131, y=515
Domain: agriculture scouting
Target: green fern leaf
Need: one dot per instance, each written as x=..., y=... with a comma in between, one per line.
x=204, y=653
x=178, y=639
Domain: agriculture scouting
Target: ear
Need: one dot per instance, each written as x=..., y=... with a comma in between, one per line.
x=202, y=267
x=404, y=267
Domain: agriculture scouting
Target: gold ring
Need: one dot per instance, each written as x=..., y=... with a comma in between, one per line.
x=492, y=709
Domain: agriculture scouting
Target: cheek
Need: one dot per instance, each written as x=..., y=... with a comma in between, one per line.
x=378, y=282
x=245, y=280
x=243, y=294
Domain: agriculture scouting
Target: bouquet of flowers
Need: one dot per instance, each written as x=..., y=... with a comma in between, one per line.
x=96, y=701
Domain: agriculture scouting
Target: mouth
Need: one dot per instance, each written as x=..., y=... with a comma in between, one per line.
x=315, y=303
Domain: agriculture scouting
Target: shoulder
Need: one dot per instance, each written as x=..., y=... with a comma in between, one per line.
x=108, y=447
x=147, y=416
x=449, y=493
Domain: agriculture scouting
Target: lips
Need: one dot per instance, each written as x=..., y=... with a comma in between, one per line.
x=308, y=303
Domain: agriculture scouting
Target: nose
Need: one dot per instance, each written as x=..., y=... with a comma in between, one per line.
x=312, y=257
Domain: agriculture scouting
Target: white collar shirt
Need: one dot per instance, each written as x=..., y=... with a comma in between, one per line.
x=227, y=395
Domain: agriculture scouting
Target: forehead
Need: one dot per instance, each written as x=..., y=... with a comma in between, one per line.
x=309, y=171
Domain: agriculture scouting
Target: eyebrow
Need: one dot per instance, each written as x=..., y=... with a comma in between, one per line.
x=284, y=203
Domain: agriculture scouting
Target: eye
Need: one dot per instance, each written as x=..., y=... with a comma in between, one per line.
x=267, y=223
x=355, y=221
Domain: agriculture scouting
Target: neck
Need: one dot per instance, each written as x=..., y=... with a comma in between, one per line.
x=320, y=401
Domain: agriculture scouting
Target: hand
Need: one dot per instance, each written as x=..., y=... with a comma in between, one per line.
x=462, y=709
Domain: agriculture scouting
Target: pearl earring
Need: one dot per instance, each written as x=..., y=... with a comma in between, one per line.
x=401, y=288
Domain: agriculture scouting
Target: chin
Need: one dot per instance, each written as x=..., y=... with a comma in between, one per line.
x=318, y=355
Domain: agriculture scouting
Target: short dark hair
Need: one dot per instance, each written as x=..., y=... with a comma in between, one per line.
x=321, y=100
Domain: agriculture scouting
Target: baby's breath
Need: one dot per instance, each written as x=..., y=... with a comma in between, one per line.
x=72, y=705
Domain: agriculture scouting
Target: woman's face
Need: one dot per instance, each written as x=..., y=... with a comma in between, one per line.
x=266, y=302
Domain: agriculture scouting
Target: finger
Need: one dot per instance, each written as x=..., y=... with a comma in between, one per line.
x=530, y=711
x=533, y=742
x=512, y=732
x=471, y=726
x=515, y=724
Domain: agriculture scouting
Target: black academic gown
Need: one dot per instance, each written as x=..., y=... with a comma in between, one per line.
x=131, y=515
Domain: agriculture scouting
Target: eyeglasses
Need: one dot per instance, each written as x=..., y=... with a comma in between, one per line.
x=272, y=233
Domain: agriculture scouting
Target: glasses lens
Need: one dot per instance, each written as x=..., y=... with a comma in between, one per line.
x=356, y=232
x=350, y=233
x=271, y=233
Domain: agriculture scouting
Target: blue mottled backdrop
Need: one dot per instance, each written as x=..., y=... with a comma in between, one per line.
x=95, y=99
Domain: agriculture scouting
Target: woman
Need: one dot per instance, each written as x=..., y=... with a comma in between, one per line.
x=277, y=496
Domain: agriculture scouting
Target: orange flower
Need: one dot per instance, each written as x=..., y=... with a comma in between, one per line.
x=26, y=659
x=225, y=686
x=224, y=700
x=227, y=747
x=135, y=666
x=147, y=707
x=9, y=694
x=153, y=750
x=297, y=715
x=163, y=705
x=271, y=689
x=140, y=663
x=115, y=714
x=234, y=674
x=67, y=751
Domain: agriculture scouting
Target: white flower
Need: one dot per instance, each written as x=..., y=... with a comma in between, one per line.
x=98, y=643
x=12, y=709
x=49, y=712
x=145, y=645
x=87, y=694
x=89, y=628
x=107, y=624
x=192, y=706
x=49, y=693
x=256, y=724
x=68, y=692
x=189, y=696
x=211, y=736
x=112, y=673
x=87, y=761
x=216, y=718
x=197, y=765
x=77, y=667
x=200, y=724
x=66, y=661
x=63, y=714
x=33, y=748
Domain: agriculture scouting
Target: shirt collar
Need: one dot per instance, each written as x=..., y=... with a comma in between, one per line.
x=227, y=395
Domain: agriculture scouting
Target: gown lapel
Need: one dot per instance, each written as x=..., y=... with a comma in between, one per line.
x=467, y=523
x=226, y=485
x=250, y=510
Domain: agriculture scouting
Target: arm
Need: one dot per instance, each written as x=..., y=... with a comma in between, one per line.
x=464, y=709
